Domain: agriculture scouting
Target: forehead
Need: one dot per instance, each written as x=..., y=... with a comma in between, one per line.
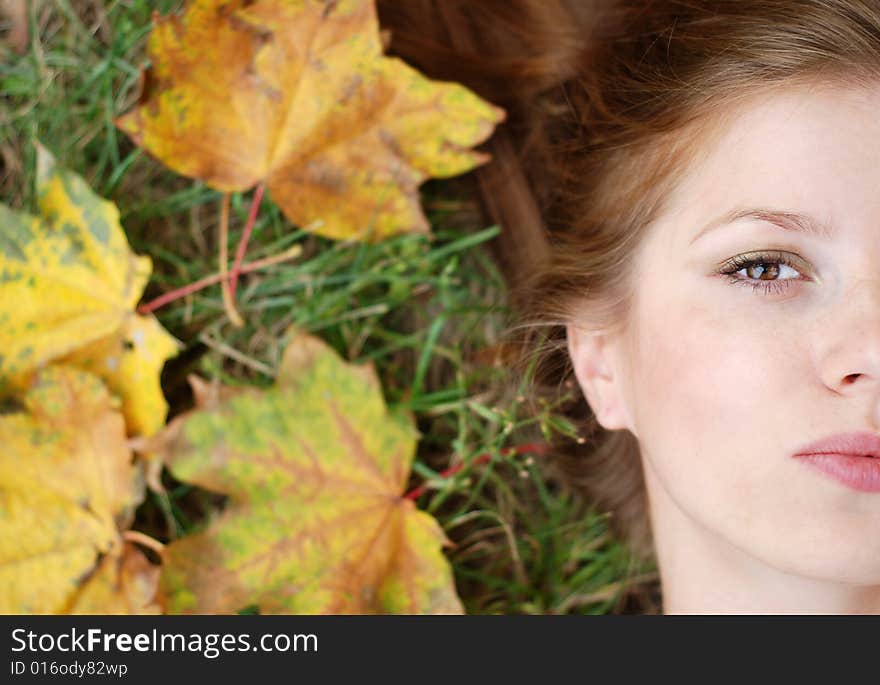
x=811, y=149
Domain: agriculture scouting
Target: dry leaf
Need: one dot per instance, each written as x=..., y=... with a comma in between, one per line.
x=67, y=488
x=122, y=584
x=299, y=95
x=68, y=287
x=315, y=468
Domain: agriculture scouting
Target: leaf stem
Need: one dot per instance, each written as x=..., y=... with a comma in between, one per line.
x=226, y=289
x=245, y=237
x=207, y=281
x=539, y=448
x=143, y=539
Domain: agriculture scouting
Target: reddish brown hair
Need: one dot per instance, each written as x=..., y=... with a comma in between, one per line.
x=607, y=104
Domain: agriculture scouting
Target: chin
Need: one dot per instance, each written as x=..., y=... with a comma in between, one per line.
x=852, y=560
x=811, y=534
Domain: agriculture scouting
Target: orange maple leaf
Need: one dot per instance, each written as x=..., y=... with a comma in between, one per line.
x=297, y=94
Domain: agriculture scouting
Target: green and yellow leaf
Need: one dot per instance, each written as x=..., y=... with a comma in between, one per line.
x=67, y=489
x=298, y=95
x=315, y=469
x=69, y=284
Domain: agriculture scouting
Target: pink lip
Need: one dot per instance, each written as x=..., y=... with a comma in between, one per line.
x=852, y=459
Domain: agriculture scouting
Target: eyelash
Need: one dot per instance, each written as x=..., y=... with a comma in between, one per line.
x=765, y=287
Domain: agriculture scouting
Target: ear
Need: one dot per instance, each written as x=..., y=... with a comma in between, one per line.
x=592, y=356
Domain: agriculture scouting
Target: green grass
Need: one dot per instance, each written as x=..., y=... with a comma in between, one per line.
x=425, y=312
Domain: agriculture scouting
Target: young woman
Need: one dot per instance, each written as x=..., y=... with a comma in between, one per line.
x=688, y=191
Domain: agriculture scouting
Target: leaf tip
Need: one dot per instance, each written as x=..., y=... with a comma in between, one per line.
x=300, y=352
x=206, y=394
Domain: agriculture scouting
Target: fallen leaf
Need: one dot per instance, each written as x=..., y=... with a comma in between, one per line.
x=67, y=489
x=315, y=468
x=68, y=287
x=298, y=95
x=150, y=449
x=122, y=584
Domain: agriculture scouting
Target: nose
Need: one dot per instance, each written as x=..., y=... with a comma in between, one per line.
x=851, y=363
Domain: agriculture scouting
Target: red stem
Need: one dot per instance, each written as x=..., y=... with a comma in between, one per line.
x=539, y=448
x=245, y=237
x=203, y=283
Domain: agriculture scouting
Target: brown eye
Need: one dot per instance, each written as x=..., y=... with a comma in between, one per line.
x=764, y=272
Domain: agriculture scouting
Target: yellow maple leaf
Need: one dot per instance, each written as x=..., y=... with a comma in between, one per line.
x=315, y=468
x=67, y=486
x=68, y=287
x=297, y=94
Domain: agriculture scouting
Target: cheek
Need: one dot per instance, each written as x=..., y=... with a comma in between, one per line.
x=710, y=383
x=686, y=370
x=719, y=393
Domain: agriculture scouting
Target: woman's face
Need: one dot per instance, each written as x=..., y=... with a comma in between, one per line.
x=723, y=377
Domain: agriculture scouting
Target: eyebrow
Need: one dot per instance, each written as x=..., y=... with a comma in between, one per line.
x=789, y=221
